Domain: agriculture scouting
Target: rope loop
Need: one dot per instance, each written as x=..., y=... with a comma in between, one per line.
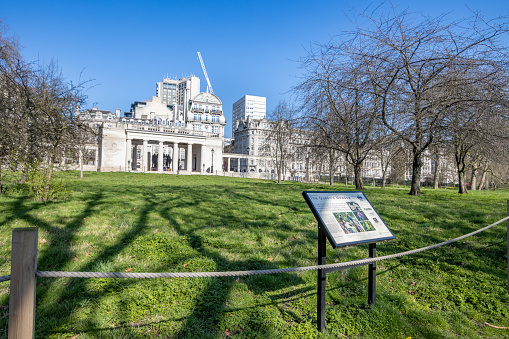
x=337, y=266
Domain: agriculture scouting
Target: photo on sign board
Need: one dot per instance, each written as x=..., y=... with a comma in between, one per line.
x=354, y=206
x=361, y=216
x=349, y=223
x=368, y=226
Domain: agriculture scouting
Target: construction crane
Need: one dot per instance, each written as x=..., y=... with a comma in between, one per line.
x=209, y=86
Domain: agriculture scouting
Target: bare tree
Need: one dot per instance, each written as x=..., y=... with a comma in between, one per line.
x=37, y=116
x=338, y=104
x=84, y=138
x=386, y=151
x=55, y=103
x=482, y=118
x=13, y=73
x=411, y=62
x=323, y=151
x=279, y=139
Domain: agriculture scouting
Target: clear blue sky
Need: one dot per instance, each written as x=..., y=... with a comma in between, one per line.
x=249, y=47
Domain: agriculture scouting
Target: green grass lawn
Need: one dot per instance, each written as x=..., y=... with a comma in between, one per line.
x=118, y=222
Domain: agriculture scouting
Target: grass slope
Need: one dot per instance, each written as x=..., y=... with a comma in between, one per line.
x=164, y=223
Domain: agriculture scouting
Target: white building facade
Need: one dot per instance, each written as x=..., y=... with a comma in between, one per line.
x=180, y=130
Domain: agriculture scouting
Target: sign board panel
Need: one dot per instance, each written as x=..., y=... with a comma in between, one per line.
x=348, y=217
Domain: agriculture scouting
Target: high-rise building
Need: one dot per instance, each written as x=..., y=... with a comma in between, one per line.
x=175, y=92
x=168, y=103
x=248, y=106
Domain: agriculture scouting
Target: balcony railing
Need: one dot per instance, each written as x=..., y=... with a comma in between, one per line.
x=160, y=129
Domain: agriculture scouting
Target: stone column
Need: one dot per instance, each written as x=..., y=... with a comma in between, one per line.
x=128, y=155
x=96, y=159
x=144, y=156
x=175, y=159
x=189, y=158
x=160, y=157
x=202, y=159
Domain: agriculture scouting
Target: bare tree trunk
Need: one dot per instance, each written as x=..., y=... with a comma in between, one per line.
x=473, y=178
x=384, y=176
x=81, y=158
x=47, y=183
x=24, y=175
x=436, y=172
x=279, y=170
x=24, y=170
x=415, y=188
x=462, y=182
x=358, y=176
x=483, y=180
x=331, y=167
x=460, y=154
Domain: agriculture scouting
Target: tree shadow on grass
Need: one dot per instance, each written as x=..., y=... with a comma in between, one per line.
x=58, y=253
x=76, y=290
x=210, y=307
x=195, y=213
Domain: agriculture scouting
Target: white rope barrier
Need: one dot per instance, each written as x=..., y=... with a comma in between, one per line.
x=337, y=266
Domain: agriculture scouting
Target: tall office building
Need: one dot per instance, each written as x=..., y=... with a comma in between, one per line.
x=168, y=103
x=248, y=106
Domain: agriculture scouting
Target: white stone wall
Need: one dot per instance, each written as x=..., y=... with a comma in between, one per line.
x=113, y=150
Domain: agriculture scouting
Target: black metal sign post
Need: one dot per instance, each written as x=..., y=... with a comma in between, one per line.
x=322, y=276
x=344, y=218
x=372, y=275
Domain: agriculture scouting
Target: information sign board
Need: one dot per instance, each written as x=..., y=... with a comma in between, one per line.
x=348, y=217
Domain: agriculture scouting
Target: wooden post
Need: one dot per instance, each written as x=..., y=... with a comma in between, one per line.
x=508, y=246
x=23, y=282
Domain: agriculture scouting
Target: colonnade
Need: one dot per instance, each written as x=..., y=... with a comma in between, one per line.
x=232, y=163
x=175, y=166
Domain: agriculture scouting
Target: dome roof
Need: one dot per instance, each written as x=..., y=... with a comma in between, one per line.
x=208, y=98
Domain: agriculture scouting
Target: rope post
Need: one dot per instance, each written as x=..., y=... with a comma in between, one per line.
x=23, y=282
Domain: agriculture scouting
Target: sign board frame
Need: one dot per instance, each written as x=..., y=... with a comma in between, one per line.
x=348, y=217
